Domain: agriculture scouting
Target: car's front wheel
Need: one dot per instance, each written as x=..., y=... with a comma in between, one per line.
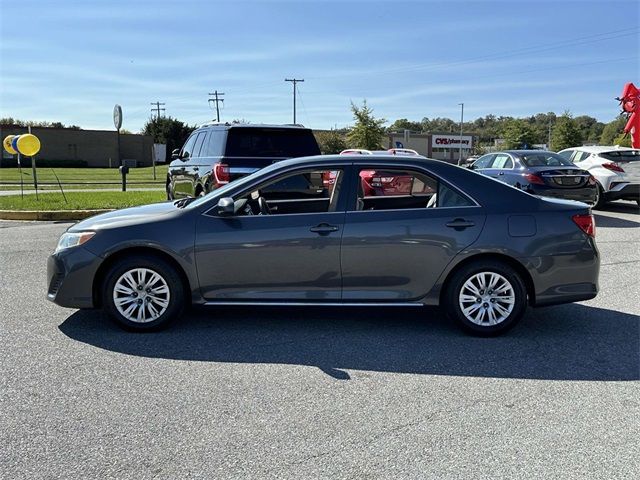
x=486, y=298
x=143, y=293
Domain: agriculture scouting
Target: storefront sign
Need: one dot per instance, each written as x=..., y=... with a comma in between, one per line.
x=451, y=141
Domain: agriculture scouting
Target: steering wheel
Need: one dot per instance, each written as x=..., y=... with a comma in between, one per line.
x=264, y=206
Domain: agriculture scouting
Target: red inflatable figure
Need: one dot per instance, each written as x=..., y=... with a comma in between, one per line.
x=630, y=103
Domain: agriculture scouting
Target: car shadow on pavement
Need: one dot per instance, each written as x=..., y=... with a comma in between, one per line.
x=613, y=222
x=569, y=342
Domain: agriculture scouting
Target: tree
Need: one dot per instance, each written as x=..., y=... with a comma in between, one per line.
x=622, y=140
x=168, y=130
x=612, y=130
x=331, y=142
x=368, y=131
x=517, y=133
x=404, y=124
x=565, y=133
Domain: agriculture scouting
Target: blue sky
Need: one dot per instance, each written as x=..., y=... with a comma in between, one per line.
x=71, y=61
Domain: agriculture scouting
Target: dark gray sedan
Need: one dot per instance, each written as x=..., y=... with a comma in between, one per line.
x=303, y=232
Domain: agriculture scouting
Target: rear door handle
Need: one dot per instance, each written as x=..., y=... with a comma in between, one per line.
x=460, y=224
x=501, y=173
x=324, y=229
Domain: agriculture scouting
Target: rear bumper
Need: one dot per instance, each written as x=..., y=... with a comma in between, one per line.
x=566, y=278
x=585, y=194
x=630, y=191
x=70, y=275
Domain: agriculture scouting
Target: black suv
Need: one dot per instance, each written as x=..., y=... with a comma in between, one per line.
x=216, y=154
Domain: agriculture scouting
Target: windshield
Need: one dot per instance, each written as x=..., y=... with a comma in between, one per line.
x=622, y=155
x=544, y=159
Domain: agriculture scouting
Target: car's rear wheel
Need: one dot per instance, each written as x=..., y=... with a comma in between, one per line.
x=486, y=298
x=143, y=293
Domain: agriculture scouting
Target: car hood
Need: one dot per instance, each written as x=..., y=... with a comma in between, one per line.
x=127, y=216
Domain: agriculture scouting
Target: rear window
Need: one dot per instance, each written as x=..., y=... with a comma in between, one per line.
x=622, y=155
x=544, y=159
x=254, y=142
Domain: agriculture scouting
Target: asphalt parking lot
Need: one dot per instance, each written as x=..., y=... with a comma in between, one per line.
x=317, y=393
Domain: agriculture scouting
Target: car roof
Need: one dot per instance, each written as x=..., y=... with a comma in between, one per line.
x=601, y=148
x=227, y=126
x=524, y=152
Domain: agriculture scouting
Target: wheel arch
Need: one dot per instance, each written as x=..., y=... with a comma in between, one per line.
x=106, y=265
x=499, y=257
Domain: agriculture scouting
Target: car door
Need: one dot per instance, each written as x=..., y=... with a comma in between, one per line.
x=290, y=255
x=394, y=248
x=194, y=166
x=502, y=167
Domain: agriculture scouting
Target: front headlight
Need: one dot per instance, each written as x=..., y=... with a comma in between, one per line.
x=68, y=240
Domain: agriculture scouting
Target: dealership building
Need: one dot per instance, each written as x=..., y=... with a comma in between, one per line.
x=433, y=145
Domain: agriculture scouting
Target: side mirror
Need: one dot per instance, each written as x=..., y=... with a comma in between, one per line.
x=226, y=207
x=175, y=154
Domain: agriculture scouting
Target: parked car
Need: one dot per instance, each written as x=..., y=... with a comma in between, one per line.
x=616, y=169
x=216, y=154
x=481, y=249
x=540, y=173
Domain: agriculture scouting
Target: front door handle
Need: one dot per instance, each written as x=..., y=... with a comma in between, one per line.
x=196, y=169
x=323, y=229
x=460, y=224
x=501, y=173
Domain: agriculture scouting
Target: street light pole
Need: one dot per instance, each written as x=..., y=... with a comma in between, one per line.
x=461, y=122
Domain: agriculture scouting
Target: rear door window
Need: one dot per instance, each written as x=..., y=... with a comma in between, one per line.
x=271, y=142
x=198, y=145
x=502, y=160
x=392, y=189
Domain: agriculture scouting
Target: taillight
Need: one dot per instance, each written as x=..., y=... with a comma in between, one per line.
x=613, y=167
x=586, y=223
x=221, y=172
x=533, y=178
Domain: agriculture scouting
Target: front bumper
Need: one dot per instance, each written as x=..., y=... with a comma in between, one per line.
x=630, y=191
x=70, y=275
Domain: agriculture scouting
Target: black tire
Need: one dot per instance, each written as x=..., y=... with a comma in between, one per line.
x=455, y=285
x=601, y=200
x=170, y=195
x=165, y=271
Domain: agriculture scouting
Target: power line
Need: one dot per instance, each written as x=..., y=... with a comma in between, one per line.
x=217, y=98
x=295, y=81
x=157, y=109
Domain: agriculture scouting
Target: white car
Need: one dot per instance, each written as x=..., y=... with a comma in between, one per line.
x=616, y=169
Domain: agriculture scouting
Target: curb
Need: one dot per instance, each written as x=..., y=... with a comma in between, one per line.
x=51, y=215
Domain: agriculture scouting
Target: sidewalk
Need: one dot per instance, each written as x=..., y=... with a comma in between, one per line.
x=31, y=191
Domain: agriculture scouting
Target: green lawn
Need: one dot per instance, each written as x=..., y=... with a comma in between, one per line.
x=80, y=200
x=86, y=176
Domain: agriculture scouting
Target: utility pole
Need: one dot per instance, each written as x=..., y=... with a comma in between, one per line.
x=157, y=109
x=549, y=141
x=461, y=122
x=294, y=81
x=216, y=94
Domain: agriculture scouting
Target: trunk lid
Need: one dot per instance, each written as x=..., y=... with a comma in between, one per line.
x=562, y=177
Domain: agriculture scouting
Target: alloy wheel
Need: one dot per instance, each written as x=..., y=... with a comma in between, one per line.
x=486, y=299
x=141, y=295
